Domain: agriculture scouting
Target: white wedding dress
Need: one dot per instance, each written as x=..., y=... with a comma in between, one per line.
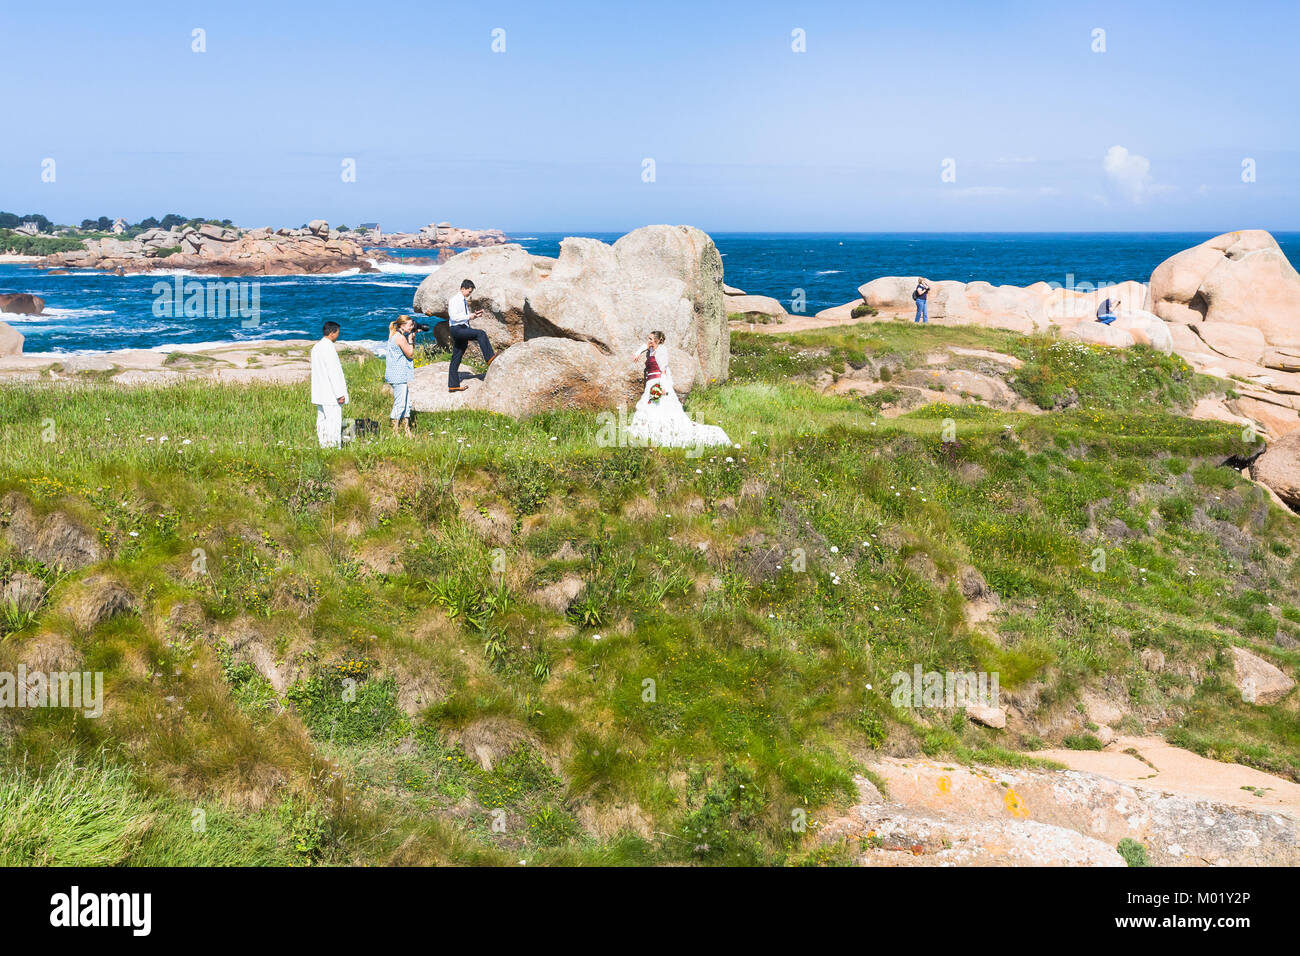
x=664, y=423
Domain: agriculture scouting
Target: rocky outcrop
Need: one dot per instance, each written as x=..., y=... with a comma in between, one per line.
x=761, y=307
x=221, y=251
x=22, y=303
x=1031, y=308
x=569, y=326
x=11, y=340
x=443, y=235
x=1279, y=468
x=503, y=278
x=1258, y=680
x=1240, y=278
x=946, y=815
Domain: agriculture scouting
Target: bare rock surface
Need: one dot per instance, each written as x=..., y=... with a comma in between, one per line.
x=942, y=814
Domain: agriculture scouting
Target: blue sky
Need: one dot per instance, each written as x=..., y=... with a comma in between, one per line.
x=745, y=133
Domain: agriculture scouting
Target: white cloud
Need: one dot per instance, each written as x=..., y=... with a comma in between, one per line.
x=1128, y=172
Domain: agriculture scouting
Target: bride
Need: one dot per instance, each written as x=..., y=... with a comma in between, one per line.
x=659, y=418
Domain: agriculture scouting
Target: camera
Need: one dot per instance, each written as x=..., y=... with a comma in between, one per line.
x=421, y=327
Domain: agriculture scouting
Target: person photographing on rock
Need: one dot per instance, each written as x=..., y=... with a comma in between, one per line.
x=329, y=389
x=918, y=295
x=399, y=369
x=461, y=333
x=1106, y=311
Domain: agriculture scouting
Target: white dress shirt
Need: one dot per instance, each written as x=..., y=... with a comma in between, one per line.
x=458, y=309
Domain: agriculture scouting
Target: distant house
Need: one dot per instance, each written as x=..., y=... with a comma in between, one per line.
x=29, y=228
x=119, y=226
x=372, y=228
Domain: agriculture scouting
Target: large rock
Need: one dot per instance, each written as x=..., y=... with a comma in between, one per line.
x=746, y=305
x=1242, y=278
x=534, y=376
x=958, y=303
x=571, y=325
x=1258, y=680
x=1273, y=419
x=889, y=293
x=11, y=340
x=1063, y=305
x=1095, y=333
x=1279, y=468
x=1243, y=342
x=22, y=303
x=503, y=276
x=1146, y=329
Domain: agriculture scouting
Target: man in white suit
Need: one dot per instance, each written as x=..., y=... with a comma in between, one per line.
x=329, y=389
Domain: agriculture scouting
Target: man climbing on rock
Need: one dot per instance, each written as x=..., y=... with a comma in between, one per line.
x=458, y=327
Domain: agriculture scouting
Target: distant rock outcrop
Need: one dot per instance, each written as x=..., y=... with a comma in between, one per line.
x=22, y=303
x=221, y=251
x=443, y=235
x=570, y=326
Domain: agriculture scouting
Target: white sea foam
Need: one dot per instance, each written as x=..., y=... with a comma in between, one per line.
x=58, y=315
x=398, y=268
x=829, y=272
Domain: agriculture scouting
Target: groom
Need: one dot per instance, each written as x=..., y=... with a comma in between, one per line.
x=458, y=327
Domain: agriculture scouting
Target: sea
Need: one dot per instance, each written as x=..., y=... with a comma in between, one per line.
x=92, y=312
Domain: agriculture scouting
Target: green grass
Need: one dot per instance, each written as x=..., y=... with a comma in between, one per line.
x=705, y=683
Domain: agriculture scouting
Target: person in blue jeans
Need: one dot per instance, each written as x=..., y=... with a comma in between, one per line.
x=919, y=293
x=400, y=369
x=1106, y=311
x=458, y=327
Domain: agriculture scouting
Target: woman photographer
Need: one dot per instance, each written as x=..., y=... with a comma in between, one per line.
x=400, y=369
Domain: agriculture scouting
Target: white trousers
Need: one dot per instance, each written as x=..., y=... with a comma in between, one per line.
x=329, y=425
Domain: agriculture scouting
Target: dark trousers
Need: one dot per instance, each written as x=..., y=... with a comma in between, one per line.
x=461, y=336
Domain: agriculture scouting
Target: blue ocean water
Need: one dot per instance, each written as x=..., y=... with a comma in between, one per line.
x=88, y=311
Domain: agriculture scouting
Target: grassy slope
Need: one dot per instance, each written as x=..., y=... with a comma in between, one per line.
x=412, y=568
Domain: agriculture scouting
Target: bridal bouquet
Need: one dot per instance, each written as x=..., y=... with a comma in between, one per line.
x=656, y=393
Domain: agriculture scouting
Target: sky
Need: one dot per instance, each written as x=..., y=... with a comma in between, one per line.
x=601, y=117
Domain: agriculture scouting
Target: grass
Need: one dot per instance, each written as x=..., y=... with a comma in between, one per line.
x=727, y=658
